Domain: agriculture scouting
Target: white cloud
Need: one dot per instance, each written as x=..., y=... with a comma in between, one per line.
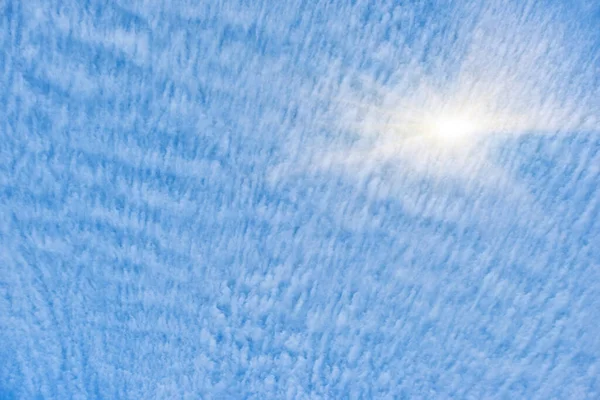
x=219, y=200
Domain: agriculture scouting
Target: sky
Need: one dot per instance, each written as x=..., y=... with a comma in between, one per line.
x=299, y=200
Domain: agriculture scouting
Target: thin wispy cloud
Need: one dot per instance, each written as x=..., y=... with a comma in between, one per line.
x=293, y=200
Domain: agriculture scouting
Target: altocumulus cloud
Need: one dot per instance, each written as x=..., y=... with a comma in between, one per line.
x=290, y=199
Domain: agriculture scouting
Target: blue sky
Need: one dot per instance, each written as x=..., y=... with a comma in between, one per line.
x=289, y=199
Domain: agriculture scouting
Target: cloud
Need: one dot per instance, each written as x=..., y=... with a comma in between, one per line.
x=228, y=200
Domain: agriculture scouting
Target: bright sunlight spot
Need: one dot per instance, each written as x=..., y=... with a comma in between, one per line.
x=452, y=128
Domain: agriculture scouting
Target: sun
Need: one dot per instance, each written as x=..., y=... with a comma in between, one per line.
x=451, y=128
x=436, y=121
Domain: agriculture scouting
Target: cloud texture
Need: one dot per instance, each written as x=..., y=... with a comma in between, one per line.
x=230, y=199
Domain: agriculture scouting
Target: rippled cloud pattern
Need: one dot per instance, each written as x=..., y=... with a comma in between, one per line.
x=247, y=200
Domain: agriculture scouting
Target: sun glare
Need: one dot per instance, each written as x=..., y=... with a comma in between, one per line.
x=452, y=128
